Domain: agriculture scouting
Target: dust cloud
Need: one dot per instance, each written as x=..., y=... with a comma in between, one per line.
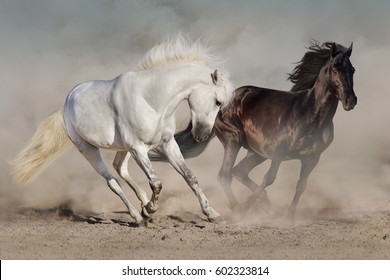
x=50, y=46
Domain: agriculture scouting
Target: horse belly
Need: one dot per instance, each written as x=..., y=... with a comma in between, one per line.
x=304, y=147
x=311, y=144
x=283, y=146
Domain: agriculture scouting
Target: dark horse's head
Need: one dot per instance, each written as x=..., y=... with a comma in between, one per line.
x=341, y=76
x=339, y=71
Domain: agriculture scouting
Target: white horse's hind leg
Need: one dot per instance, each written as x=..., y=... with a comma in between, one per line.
x=120, y=164
x=92, y=154
x=176, y=159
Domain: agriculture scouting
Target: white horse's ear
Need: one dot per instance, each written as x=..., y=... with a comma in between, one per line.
x=214, y=77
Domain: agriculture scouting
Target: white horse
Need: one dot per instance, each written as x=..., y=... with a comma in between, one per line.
x=133, y=114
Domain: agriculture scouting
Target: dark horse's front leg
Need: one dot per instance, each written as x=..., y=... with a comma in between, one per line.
x=307, y=166
x=225, y=173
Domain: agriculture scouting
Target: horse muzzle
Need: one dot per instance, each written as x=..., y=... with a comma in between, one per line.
x=201, y=133
x=350, y=102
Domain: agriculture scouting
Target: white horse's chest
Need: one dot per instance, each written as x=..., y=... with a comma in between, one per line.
x=152, y=131
x=138, y=121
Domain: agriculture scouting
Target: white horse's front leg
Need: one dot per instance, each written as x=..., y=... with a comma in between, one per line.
x=172, y=151
x=140, y=154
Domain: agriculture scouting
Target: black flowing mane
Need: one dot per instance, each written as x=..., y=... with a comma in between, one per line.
x=305, y=73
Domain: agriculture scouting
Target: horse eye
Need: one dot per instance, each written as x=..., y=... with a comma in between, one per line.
x=339, y=63
x=218, y=103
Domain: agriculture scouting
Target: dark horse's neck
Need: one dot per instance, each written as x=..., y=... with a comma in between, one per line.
x=323, y=102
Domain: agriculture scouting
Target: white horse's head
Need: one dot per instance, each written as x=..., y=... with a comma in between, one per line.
x=205, y=100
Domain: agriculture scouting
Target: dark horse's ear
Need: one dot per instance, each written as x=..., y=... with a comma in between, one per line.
x=214, y=77
x=349, y=51
x=334, y=50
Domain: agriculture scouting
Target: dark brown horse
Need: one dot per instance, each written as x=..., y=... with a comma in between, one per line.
x=280, y=125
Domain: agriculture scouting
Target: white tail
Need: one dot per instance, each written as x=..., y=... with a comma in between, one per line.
x=49, y=142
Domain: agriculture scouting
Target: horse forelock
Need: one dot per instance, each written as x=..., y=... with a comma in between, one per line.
x=176, y=50
x=306, y=72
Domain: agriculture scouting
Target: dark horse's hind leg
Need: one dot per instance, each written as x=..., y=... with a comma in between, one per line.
x=225, y=173
x=245, y=166
x=241, y=172
x=268, y=179
x=307, y=166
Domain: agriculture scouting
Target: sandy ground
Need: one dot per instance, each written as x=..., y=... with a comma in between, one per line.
x=60, y=233
x=70, y=213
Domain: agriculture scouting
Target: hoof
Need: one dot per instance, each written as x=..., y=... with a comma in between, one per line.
x=145, y=214
x=149, y=209
x=219, y=220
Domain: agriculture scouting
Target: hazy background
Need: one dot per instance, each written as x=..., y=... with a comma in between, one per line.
x=47, y=47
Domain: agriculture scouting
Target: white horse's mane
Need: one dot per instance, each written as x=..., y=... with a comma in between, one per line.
x=174, y=50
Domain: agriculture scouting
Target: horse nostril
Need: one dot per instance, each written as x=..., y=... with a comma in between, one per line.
x=352, y=99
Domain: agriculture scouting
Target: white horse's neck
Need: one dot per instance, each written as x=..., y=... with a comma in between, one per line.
x=173, y=85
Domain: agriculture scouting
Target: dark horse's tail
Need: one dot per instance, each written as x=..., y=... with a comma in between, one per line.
x=189, y=147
